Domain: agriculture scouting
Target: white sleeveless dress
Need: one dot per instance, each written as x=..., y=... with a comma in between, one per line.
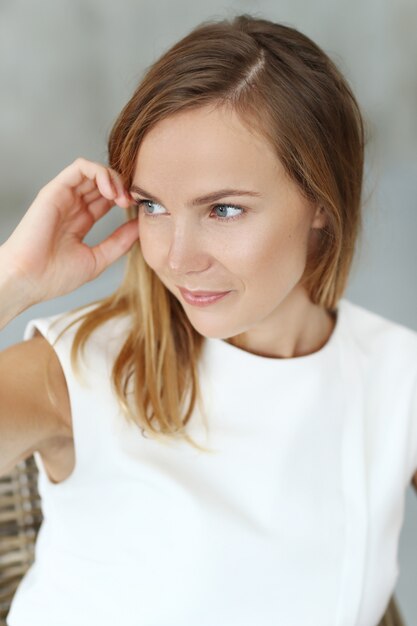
x=293, y=519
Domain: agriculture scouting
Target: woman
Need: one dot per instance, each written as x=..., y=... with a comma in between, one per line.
x=237, y=457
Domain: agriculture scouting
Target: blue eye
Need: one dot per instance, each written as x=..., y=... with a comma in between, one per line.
x=142, y=203
x=229, y=206
x=221, y=207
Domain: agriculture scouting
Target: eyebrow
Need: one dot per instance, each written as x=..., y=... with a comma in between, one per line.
x=210, y=197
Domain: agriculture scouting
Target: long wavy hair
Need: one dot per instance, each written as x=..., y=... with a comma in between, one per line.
x=284, y=86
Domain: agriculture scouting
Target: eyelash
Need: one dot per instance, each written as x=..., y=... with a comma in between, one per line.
x=138, y=203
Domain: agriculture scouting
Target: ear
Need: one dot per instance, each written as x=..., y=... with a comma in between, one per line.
x=319, y=219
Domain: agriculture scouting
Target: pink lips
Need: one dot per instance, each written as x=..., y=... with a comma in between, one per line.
x=201, y=293
x=202, y=298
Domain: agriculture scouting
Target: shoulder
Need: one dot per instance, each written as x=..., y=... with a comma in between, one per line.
x=56, y=386
x=35, y=407
x=380, y=336
x=54, y=336
x=60, y=329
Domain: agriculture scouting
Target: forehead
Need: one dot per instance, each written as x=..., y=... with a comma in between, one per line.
x=206, y=145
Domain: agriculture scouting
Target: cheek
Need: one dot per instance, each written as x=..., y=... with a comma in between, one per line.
x=151, y=244
x=270, y=251
x=272, y=264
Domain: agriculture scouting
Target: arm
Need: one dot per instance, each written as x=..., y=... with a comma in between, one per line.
x=13, y=298
x=31, y=418
x=45, y=257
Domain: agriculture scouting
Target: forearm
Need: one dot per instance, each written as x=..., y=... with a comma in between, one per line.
x=13, y=297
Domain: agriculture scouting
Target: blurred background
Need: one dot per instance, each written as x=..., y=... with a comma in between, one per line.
x=68, y=67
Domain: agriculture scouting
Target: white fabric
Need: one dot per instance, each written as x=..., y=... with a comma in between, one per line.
x=294, y=518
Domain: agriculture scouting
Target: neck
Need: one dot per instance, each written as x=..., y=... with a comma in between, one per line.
x=307, y=327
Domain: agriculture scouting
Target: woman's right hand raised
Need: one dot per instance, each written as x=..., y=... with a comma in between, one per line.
x=46, y=252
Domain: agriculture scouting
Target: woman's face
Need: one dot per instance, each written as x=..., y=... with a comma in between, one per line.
x=259, y=256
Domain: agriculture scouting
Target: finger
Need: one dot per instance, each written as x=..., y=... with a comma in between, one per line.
x=107, y=180
x=123, y=197
x=93, y=195
x=99, y=207
x=118, y=182
x=117, y=244
x=86, y=187
x=76, y=173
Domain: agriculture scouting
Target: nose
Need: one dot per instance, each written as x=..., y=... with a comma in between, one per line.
x=187, y=251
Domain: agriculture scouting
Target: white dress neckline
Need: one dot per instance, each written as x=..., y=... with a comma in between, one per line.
x=234, y=352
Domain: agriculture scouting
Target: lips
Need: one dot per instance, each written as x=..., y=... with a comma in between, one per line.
x=194, y=298
x=198, y=294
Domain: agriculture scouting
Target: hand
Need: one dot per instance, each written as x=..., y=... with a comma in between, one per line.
x=46, y=252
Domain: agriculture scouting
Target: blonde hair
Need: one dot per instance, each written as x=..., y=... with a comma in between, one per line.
x=284, y=86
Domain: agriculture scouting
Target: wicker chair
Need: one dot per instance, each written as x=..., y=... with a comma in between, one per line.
x=20, y=519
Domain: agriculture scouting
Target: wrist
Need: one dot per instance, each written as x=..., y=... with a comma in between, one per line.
x=14, y=298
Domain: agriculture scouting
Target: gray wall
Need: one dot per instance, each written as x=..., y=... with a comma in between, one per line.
x=68, y=67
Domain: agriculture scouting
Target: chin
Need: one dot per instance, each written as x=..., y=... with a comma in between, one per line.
x=215, y=330
x=210, y=331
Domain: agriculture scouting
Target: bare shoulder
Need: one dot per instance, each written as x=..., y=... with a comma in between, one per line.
x=35, y=411
x=59, y=386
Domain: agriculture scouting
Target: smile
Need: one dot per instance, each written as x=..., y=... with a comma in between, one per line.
x=202, y=300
